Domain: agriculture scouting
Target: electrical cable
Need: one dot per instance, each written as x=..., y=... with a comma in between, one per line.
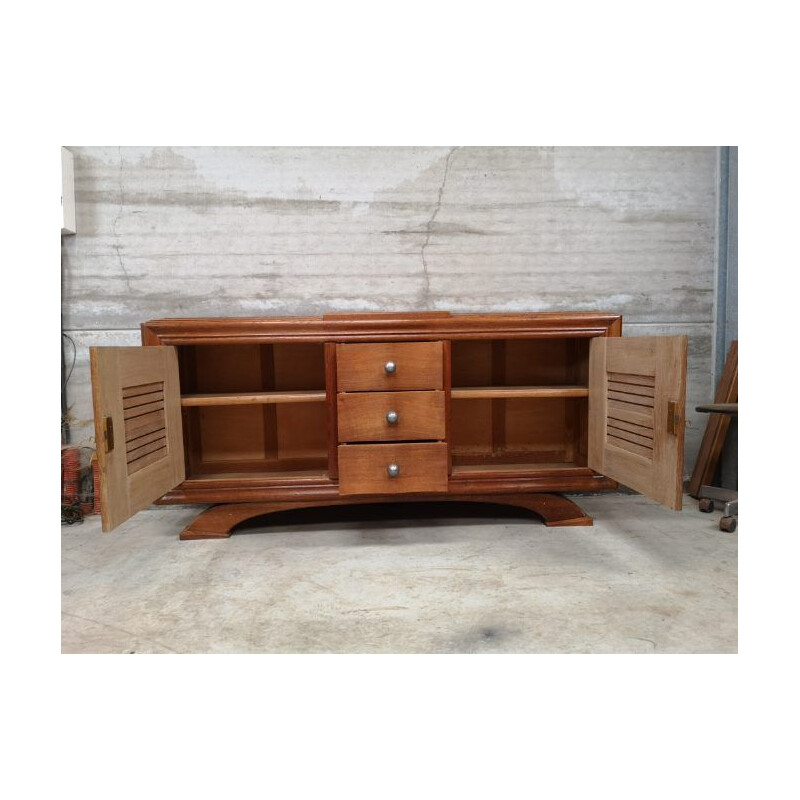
x=74, y=359
x=65, y=433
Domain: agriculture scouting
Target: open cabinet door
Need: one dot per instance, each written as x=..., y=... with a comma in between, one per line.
x=137, y=418
x=637, y=395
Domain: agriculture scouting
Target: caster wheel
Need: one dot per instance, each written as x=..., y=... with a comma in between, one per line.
x=706, y=505
x=728, y=524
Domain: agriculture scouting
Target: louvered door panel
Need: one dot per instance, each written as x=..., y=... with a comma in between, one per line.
x=137, y=409
x=629, y=412
x=145, y=425
x=637, y=390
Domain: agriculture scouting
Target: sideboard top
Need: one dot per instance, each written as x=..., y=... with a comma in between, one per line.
x=382, y=325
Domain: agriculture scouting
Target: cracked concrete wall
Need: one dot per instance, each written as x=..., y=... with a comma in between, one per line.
x=249, y=231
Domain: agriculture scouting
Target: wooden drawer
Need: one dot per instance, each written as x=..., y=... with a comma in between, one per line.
x=363, y=367
x=365, y=417
x=364, y=468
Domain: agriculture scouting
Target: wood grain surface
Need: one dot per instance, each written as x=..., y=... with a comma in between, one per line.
x=362, y=416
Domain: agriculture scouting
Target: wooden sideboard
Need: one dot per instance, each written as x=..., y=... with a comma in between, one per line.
x=267, y=414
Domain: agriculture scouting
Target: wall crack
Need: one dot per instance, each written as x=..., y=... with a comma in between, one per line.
x=117, y=247
x=426, y=286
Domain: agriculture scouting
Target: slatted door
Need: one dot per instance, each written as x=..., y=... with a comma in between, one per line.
x=637, y=396
x=137, y=413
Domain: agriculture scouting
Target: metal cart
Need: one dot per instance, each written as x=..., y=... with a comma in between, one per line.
x=711, y=495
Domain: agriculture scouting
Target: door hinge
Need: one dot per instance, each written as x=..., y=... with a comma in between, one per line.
x=674, y=417
x=108, y=433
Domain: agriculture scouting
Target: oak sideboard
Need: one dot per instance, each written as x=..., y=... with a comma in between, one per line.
x=267, y=414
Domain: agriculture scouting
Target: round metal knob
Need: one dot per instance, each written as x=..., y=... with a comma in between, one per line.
x=392, y=417
x=390, y=367
x=393, y=470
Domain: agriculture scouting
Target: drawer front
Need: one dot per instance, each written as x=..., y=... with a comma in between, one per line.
x=391, y=416
x=366, y=468
x=368, y=367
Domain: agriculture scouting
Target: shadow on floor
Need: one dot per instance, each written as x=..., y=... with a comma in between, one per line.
x=386, y=516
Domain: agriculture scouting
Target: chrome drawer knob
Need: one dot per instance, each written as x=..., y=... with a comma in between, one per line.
x=392, y=417
x=390, y=367
x=393, y=470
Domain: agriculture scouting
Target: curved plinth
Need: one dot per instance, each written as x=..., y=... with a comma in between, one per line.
x=218, y=522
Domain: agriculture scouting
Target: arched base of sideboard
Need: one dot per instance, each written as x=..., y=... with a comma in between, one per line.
x=219, y=521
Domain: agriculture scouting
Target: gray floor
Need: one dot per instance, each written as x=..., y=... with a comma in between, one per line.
x=441, y=578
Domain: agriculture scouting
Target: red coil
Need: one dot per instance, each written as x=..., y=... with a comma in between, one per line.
x=70, y=474
x=96, y=483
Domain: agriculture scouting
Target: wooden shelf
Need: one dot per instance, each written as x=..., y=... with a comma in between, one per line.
x=508, y=392
x=312, y=476
x=522, y=467
x=253, y=398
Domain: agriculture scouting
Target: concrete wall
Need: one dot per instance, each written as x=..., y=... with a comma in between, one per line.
x=177, y=232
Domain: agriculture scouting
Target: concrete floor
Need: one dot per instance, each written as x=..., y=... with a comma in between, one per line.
x=439, y=578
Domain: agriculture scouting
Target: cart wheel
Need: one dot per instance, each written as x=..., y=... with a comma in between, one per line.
x=728, y=524
x=706, y=505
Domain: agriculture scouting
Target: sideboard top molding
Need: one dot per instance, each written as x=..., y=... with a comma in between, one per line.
x=370, y=327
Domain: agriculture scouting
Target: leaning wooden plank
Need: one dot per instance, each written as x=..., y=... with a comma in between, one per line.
x=717, y=425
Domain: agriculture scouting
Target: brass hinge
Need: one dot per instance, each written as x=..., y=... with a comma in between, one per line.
x=108, y=433
x=674, y=417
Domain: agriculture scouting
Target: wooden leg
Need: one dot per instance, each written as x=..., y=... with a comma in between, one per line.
x=554, y=509
x=218, y=522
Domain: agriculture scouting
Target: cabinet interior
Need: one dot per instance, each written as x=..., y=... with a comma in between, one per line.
x=519, y=403
x=250, y=410
x=258, y=410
